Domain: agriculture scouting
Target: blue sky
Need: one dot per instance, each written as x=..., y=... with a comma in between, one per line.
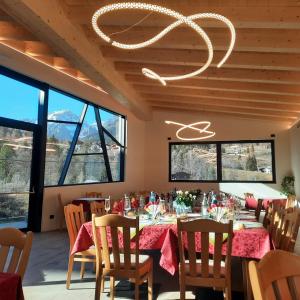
x=20, y=101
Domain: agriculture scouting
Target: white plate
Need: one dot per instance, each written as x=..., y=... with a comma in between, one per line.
x=193, y=215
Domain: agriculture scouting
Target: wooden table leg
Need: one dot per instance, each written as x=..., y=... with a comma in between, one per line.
x=248, y=295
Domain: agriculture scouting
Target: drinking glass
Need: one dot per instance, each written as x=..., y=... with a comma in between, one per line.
x=162, y=206
x=107, y=205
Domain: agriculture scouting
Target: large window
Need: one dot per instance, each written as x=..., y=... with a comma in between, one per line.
x=193, y=162
x=50, y=138
x=242, y=161
x=85, y=143
x=248, y=161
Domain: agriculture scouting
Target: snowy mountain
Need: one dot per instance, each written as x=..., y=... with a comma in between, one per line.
x=65, y=132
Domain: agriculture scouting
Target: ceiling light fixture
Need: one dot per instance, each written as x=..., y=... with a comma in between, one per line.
x=206, y=125
x=181, y=19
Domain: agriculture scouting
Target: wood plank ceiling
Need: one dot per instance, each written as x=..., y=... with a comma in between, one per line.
x=260, y=80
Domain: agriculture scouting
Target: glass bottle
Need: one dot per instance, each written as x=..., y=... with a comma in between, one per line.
x=152, y=197
x=204, y=206
x=127, y=206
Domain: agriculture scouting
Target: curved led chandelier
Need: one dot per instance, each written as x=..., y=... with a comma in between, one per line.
x=206, y=125
x=181, y=19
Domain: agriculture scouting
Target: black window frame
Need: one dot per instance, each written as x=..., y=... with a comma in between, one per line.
x=40, y=142
x=101, y=130
x=219, y=160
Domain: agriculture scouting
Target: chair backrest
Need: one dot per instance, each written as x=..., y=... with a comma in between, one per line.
x=291, y=201
x=289, y=231
x=74, y=216
x=15, y=247
x=114, y=246
x=189, y=238
x=97, y=208
x=275, y=209
x=258, y=208
x=250, y=195
x=93, y=194
x=276, y=276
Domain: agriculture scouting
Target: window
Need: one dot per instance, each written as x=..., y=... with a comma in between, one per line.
x=18, y=101
x=50, y=138
x=242, y=161
x=247, y=161
x=85, y=144
x=193, y=162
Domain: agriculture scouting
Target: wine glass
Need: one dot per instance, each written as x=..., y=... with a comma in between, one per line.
x=107, y=205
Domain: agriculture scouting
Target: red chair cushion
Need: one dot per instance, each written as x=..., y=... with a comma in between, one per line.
x=251, y=203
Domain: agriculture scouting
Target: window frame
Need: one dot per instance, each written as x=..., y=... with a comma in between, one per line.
x=101, y=131
x=219, y=160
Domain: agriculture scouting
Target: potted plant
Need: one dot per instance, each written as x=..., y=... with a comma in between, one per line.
x=288, y=186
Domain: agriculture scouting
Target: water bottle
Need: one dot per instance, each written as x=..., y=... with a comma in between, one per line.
x=204, y=206
x=152, y=197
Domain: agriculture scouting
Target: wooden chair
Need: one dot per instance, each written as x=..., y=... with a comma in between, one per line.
x=291, y=201
x=74, y=219
x=204, y=272
x=287, y=234
x=274, y=209
x=93, y=194
x=15, y=247
x=258, y=208
x=97, y=208
x=276, y=276
x=119, y=259
x=250, y=195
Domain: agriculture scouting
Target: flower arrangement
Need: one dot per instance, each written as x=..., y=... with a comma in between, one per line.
x=185, y=198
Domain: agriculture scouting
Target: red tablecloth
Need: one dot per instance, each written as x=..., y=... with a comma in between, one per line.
x=247, y=243
x=10, y=287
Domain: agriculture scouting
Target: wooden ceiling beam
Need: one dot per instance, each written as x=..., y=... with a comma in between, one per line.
x=243, y=96
x=244, y=60
x=259, y=40
x=36, y=48
x=249, y=112
x=197, y=83
x=290, y=108
x=13, y=31
x=198, y=3
x=242, y=16
x=214, y=112
x=212, y=73
x=67, y=41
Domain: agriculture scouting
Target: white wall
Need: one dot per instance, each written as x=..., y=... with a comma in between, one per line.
x=295, y=157
x=226, y=128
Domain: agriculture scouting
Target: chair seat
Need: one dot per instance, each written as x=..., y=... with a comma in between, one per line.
x=145, y=263
x=210, y=267
x=143, y=260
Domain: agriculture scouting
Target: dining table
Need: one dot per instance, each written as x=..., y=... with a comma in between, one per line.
x=249, y=242
x=11, y=286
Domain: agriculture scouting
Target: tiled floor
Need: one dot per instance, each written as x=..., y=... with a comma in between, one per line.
x=46, y=275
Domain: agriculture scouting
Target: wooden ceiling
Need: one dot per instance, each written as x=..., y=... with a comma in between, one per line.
x=260, y=80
